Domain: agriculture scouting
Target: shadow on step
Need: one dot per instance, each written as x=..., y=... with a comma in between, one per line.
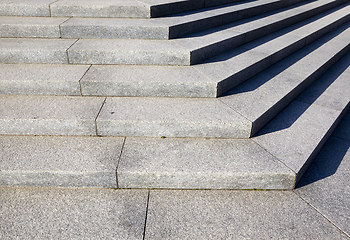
x=276, y=69
x=291, y=114
x=327, y=162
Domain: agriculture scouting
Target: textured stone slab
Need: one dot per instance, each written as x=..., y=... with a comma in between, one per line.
x=326, y=183
x=40, y=79
x=39, y=8
x=234, y=67
x=143, y=81
x=49, y=161
x=26, y=50
x=114, y=28
x=44, y=213
x=37, y=115
x=102, y=8
x=334, y=87
x=297, y=134
x=14, y=27
x=262, y=97
x=200, y=164
x=122, y=51
x=170, y=117
x=234, y=215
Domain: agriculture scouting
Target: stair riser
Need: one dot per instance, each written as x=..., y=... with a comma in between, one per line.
x=234, y=80
x=202, y=54
x=272, y=112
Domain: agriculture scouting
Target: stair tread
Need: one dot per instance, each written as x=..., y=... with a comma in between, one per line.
x=267, y=93
x=93, y=51
x=308, y=121
x=104, y=8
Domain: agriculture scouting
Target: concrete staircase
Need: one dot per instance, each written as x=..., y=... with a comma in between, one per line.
x=169, y=93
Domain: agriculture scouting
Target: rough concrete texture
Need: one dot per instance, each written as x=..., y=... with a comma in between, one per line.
x=295, y=134
x=104, y=8
x=170, y=117
x=326, y=184
x=39, y=213
x=143, y=81
x=200, y=164
x=262, y=97
x=37, y=8
x=123, y=51
x=236, y=66
x=41, y=79
x=234, y=215
x=14, y=27
x=37, y=115
x=114, y=28
x=30, y=50
x=59, y=161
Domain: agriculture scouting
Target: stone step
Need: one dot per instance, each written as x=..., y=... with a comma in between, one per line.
x=105, y=8
x=275, y=159
x=239, y=114
x=160, y=28
x=171, y=81
x=157, y=52
x=293, y=139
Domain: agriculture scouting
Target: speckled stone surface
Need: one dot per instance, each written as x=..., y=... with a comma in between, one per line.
x=200, y=164
x=41, y=79
x=102, y=8
x=37, y=8
x=14, y=27
x=49, y=115
x=144, y=81
x=170, y=117
x=123, y=51
x=326, y=184
x=234, y=215
x=31, y=50
x=37, y=161
x=44, y=213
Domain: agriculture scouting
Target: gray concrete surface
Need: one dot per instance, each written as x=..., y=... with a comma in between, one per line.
x=47, y=27
x=317, y=209
x=146, y=81
x=35, y=115
x=200, y=164
x=37, y=8
x=170, y=117
x=28, y=161
x=31, y=50
x=41, y=79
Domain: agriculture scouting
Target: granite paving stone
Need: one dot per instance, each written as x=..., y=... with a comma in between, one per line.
x=200, y=164
x=114, y=28
x=54, y=115
x=43, y=27
x=44, y=213
x=143, y=81
x=277, y=86
x=25, y=8
x=52, y=161
x=101, y=8
x=41, y=79
x=132, y=51
x=234, y=215
x=170, y=117
x=297, y=134
x=30, y=50
x=325, y=186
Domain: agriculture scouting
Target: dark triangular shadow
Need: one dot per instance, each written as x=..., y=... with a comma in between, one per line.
x=327, y=162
